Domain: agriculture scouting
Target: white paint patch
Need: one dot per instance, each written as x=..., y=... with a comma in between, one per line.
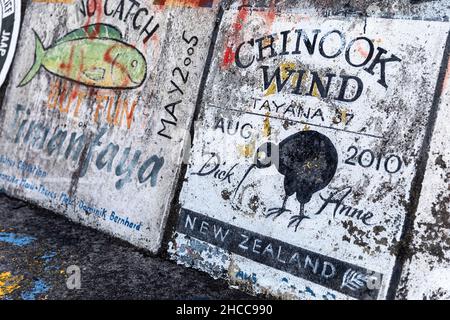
x=426, y=275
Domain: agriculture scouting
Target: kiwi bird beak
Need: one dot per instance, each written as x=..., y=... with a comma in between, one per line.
x=242, y=180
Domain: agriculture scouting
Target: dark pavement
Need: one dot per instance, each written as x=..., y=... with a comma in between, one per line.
x=37, y=247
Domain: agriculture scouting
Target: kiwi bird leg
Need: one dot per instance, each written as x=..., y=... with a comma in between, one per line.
x=242, y=180
x=276, y=212
x=296, y=220
x=302, y=209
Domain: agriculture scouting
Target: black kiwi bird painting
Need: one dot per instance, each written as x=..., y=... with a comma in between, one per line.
x=307, y=160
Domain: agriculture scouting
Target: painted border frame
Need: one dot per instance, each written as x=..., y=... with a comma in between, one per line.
x=10, y=23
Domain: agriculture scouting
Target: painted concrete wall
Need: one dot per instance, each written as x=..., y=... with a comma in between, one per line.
x=313, y=125
x=306, y=161
x=426, y=273
x=97, y=132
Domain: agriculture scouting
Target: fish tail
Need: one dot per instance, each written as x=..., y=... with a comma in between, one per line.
x=38, y=56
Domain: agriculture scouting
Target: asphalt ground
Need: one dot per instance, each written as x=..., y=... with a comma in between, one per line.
x=37, y=247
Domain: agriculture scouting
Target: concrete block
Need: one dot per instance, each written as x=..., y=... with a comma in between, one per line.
x=307, y=149
x=99, y=103
x=425, y=274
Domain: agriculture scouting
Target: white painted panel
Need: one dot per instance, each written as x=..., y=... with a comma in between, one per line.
x=426, y=273
x=122, y=177
x=348, y=156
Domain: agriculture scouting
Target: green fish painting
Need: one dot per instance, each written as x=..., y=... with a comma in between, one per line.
x=94, y=56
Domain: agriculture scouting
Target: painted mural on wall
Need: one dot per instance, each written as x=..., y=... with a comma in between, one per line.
x=185, y=3
x=9, y=31
x=300, y=177
x=307, y=160
x=99, y=100
x=94, y=56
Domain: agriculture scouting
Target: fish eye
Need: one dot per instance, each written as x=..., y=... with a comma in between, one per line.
x=134, y=63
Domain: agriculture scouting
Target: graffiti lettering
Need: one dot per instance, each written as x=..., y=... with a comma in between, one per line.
x=126, y=222
x=337, y=198
x=212, y=167
x=178, y=83
x=80, y=149
x=117, y=111
x=367, y=158
x=227, y=126
x=331, y=45
x=129, y=11
x=4, y=44
x=314, y=267
x=319, y=86
x=289, y=110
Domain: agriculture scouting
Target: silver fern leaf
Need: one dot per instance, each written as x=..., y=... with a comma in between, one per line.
x=354, y=280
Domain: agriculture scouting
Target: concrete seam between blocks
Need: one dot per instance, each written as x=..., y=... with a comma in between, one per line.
x=172, y=219
x=406, y=237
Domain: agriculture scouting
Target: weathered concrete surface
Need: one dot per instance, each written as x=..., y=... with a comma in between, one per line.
x=372, y=144
x=364, y=125
x=97, y=132
x=426, y=274
x=37, y=247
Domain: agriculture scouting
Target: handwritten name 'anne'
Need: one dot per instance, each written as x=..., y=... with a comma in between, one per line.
x=270, y=46
x=341, y=209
